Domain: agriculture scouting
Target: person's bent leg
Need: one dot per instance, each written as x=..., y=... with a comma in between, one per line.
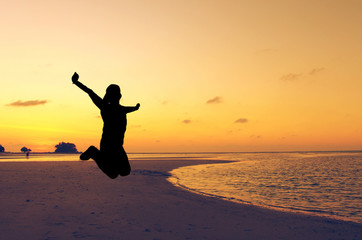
x=105, y=165
x=106, y=169
x=91, y=152
x=100, y=159
x=124, y=168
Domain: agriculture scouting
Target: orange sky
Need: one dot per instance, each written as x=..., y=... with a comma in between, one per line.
x=210, y=75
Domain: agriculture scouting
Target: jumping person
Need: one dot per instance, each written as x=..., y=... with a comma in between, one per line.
x=111, y=157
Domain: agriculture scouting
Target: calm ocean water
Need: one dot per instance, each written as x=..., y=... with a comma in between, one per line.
x=322, y=183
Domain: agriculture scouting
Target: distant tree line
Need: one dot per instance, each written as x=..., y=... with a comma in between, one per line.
x=65, y=148
x=25, y=149
x=62, y=147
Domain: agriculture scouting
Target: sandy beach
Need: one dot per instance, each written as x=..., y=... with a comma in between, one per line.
x=70, y=200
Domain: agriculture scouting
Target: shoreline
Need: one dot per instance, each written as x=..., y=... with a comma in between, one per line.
x=61, y=200
x=273, y=208
x=174, y=181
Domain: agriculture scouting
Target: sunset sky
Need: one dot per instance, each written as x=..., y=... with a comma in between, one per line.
x=231, y=75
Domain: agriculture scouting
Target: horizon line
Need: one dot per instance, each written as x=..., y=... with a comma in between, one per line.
x=204, y=152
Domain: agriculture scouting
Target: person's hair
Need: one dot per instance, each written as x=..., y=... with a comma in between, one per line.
x=113, y=94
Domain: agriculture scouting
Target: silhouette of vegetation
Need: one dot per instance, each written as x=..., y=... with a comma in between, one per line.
x=2, y=149
x=25, y=149
x=65, y=148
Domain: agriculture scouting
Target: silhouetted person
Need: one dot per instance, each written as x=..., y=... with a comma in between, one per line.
x=111, y=157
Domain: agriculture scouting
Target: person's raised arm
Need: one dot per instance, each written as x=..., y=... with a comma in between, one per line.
x=95, y=98
x=132, y=109
x=75, y=80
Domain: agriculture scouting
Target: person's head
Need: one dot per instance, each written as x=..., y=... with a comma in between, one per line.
x=113, y=94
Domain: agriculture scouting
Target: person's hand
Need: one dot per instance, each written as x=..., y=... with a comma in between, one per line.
x=75, y=77
x=138, y=106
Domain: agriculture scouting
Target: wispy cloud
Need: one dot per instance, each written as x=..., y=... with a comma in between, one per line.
x=29, y=103
x=315, y=71
x=241, y=120
x=291, y=76
x=186, y=121
x=214, y=100
x=297, y=76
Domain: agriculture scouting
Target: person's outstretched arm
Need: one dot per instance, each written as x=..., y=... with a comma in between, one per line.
x=95, y=98
x=132, y=109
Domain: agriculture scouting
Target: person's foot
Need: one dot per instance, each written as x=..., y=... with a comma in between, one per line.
x=89, y=153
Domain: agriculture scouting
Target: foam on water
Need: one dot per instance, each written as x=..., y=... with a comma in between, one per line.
x=316, y=183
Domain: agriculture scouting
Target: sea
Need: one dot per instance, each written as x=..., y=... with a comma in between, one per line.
x=315, y=183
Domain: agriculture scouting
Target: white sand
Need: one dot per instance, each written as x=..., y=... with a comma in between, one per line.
x=69, y=200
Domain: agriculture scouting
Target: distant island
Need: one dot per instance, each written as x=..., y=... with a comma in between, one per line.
x=63, y=147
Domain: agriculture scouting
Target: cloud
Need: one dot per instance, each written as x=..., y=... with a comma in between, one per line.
x=297, y=76
x=315, y=71
x=186, y=121
x=214, y=100
x=29, y=103
x=241, y=120
x=291, y=77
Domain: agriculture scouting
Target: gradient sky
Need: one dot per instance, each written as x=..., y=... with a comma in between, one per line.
x=267, y=75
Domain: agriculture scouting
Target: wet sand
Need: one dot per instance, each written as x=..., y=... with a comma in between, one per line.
x=69, y=200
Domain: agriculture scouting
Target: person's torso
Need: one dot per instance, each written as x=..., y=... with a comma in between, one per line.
x=114, y=120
